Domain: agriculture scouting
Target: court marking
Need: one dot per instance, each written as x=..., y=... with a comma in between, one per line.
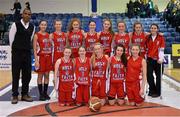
x=98, y=113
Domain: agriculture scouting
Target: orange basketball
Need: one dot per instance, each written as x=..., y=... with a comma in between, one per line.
x=94, y=104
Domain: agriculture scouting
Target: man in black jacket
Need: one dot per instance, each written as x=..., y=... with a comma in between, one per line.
x=20, y=36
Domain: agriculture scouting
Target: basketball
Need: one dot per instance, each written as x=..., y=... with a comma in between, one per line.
x=94, y=104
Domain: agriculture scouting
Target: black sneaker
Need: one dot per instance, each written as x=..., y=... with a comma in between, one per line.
x=42, y=98
x=14, y=100
x=155, y=95
x=46, y=96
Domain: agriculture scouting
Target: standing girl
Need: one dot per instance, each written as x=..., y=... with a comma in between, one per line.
x=43, y=59
x=64, y=78
x=99, y=66
x=75, y=36
x=106, y=36
x=135, y=66
x=117, y=64
x=155, y=57
x=82, y=72
x=91, y=38
x=122, y=37
x=59, y=41
x=139, y=37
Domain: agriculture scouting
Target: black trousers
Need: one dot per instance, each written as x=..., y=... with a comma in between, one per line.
x=21, y=63
x=154, y=67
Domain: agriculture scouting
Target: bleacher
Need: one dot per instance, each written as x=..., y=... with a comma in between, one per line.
x=170, y=33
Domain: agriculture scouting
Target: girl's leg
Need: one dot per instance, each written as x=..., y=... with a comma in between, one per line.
x=39, y=82
x=46, y=82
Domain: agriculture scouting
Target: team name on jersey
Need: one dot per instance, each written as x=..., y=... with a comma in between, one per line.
x=122, y=41
x=47, y=46
x=138, y=40
x=66, y=68
x=117, y=76
x=118, y=66
x=82, y=69
x=67, y=78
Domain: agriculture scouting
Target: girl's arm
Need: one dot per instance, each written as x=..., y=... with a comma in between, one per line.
x=35, y=49
x=144, y=77
x=56, y=74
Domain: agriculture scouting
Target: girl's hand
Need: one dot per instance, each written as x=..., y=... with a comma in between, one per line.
x=141, y=92
x=37, y=65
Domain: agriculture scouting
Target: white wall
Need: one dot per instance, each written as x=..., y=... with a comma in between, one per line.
x=75, y=6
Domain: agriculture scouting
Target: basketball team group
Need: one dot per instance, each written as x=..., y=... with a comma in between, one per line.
x=106, y=64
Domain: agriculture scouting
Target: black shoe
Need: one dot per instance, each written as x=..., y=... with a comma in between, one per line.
x=14, y=100
x=42, y=98
x=47, y=97
x=155, y=95
x=26, y=98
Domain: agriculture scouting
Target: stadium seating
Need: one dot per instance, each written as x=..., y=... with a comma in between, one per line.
x=170, y=34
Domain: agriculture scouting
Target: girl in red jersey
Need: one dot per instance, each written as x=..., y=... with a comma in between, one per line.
x=139, y=37
x=64, y=78
x=135, y=66
x=75, y=36
x=122, y=37
x=106, y=36
x=91, y=38
x=82, y=72
x=59, y=41
x=117, y=64
x=43, y=59
x=99, y=66
x=155, y=57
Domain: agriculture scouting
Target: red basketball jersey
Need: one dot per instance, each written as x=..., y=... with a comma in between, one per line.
x=141, y=40
x=90, y=40
x=75, y=40
x=66, y=71
x=45, y=44
x=82, y=71
x=105, y=39
x=134, y=68
x=123, y=39
x=117, y=70
x=99, y=71
x=59, y=41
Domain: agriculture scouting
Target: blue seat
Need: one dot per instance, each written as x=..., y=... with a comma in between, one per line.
x=168, y=50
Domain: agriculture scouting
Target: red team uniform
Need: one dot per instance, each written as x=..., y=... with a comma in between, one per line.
x=59, y=41
x=105, y=39
x=123, y=39
x=117, y=75
x=75, y=41
x=82, y=72
x=99, y=78
x=134, y=68
x=141, y=40
x=89, y=42
x=66, y=81
x=44, y=53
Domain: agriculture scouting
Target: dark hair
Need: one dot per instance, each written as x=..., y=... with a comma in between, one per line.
x=91, y=21
x=154, y=24
x=136, y=23
x=110, y=28
x=26, y=9
x=123, y=57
